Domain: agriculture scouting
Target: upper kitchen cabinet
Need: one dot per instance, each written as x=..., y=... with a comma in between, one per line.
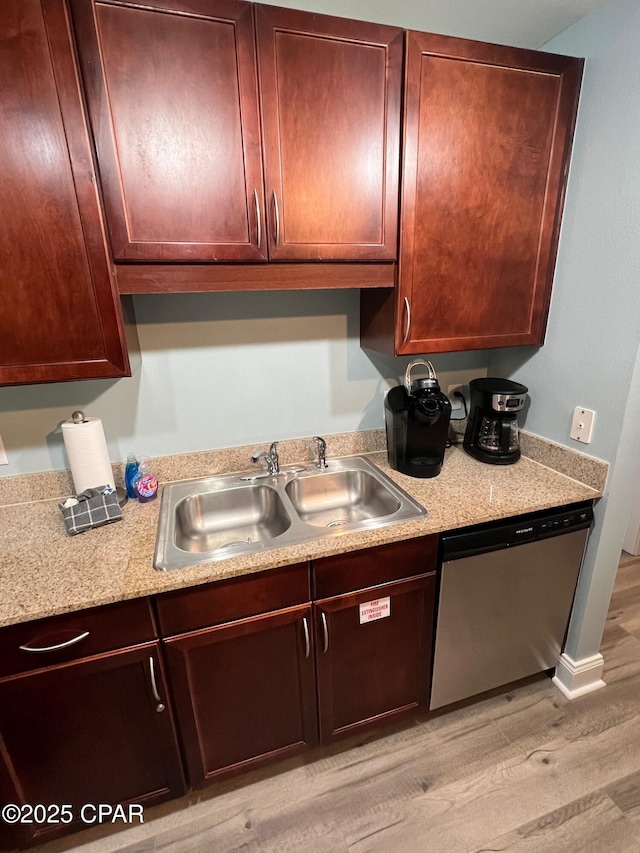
x=173, y=101
x=330, y=90
x=487, y=138
x=60, y=315
x=177, y=90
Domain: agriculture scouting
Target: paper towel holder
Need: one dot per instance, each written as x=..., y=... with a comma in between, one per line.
x=78, y=417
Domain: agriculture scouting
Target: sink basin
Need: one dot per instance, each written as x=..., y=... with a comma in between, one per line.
x=337, y=498
x=229, y=518
x=216, y=518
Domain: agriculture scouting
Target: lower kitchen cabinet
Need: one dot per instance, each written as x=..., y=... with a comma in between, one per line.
x=374, y=650
x=373, y=646
x=244, y=692
x=258, y=667
x=242, y=670
x=92, y=731
x=259, y=671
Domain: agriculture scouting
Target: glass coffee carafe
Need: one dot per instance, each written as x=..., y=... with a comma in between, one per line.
x=498, y=435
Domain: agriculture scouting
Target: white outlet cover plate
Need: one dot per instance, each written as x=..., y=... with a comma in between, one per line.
x=3, y=454
x=582, y=425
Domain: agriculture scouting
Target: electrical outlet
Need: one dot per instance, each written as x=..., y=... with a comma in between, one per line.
x=3, y=454
x=582, y=425
x=458, y=404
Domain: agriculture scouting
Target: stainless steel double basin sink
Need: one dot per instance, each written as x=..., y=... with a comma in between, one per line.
x=216, y=518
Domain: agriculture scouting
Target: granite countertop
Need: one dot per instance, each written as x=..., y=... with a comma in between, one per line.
x=44, y=572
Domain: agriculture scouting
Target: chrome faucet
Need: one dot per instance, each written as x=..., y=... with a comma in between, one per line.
x=322, y=451
x=270, y=457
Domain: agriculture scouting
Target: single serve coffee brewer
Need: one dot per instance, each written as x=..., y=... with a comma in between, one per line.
x=417, y=416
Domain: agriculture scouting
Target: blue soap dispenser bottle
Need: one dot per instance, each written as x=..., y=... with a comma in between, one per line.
x=130, y=473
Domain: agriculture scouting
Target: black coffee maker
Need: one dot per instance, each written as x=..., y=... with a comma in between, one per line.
x=492, y=430
x=417, y=418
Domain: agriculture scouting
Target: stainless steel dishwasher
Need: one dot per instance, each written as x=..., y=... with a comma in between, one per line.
x=506, y=592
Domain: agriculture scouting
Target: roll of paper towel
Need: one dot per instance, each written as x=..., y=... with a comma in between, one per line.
x=87, y=452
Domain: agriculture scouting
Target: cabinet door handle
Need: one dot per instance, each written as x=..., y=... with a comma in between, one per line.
x=325, y=632
x=154, y=687
x=276, y=215
x=57, y=647
x=258, y=222
x=407, y=311
x=307, y=643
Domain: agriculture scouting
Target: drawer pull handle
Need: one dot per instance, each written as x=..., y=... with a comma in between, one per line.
x=154, y=687
x=258, y=222
x=325, y=632
x=307, y=643
x=57, y=647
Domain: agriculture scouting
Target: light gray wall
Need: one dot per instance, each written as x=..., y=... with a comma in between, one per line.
x=591, y=354
x=223, y=369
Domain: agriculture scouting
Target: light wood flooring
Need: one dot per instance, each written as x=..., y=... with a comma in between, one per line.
x=523, y=771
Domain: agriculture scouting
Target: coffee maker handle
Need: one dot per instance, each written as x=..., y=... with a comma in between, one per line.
x=407, y=376
x=505, y=434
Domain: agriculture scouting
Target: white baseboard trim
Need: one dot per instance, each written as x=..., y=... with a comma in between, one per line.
x=575, y=678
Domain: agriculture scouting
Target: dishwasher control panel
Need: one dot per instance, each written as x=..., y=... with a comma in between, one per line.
x=507, y=533
x=573, y=520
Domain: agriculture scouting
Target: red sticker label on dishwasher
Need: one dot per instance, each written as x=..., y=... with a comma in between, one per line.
x=379, y=608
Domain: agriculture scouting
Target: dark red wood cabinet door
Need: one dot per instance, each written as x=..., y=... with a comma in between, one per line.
x=487, y=137
x=60, y=315
x=330, y=91
x=244, y=692
x=369, y=670
x=172, y=94
x=89, y=732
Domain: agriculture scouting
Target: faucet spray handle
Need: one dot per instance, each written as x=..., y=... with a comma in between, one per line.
x=322, y=451
x=273, y=453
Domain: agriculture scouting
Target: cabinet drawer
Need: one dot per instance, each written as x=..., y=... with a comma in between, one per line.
x=32, y=645
x=373, y=566
x=235, y=598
